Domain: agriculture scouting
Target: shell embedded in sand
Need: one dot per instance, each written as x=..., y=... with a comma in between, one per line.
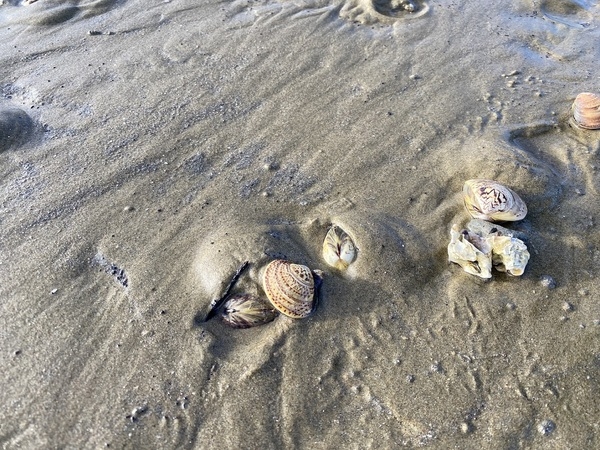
x=290, y=288
x=472, y=252
x=247, y=310
x=490, y=200
x=509, y=255
x=586, y=111
x=339, y=250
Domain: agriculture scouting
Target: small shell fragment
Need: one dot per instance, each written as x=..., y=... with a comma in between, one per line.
x=586, y=111
x=490, y=200
x=246, y=310
x=290, y=288
x=339, y=250
x=471, y=252
x=509, y=255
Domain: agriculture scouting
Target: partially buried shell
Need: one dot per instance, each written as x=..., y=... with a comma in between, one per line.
x=490, y=200
x=586, y=111
x=246, y=310
x=290, y=288
x=339, y=250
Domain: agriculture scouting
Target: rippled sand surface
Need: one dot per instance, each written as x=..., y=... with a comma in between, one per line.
x=148, y=148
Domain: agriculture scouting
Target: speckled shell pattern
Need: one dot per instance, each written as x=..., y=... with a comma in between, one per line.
x=290, y=288
x=247, y=310
x=492, y=201
x=586, y=111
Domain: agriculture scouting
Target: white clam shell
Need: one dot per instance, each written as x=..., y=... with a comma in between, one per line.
x=471, y=252
x=290, y=288
x=586, y=111
x=490, y=200
x=339, y=250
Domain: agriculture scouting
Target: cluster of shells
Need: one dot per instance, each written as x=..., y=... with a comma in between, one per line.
x=586, y=111
x=290, y=289
x=483, y=245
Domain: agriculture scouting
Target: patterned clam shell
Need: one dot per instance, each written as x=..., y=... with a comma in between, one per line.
x=247, y=310
x=586, y=111
x=492, y=201
x=339, y=250
x=290, y=288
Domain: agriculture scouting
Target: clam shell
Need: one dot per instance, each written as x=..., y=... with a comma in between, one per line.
x=290, y=288
x=509, y=254
x=339, y=250
x=490, y=200
x=472, y=252
x=586, y=111
x=247, y=310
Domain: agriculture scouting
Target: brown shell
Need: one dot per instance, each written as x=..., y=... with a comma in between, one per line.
x=247, y=310
x=492, y=201
x=586, y=111
x=290, y=288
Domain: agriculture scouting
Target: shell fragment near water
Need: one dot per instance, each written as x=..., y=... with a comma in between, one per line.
x=478, y=251
x=247, y=310
x=339, y=250
x=290, y=288
x=586, y=111
x=490, y=200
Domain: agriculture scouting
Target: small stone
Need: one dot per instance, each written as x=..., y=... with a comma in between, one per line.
x=436, y=367
x=511, y=306
x=547, y=281
x=583, y=292
x=546, y=427
x=53, y=291
x=466, y=427
x=128, y=208
x=567, y=307
x=410, y=378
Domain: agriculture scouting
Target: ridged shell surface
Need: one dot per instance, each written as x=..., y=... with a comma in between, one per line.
x=586, y=111
x=339, y=250
x=471, y=252
x=290, y=288
x=490, y=200
x=509, y=255
x=246, y=310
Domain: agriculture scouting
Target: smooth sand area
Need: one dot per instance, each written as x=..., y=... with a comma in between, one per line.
x=149, y=147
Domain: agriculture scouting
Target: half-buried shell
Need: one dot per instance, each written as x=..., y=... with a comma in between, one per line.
x=339, y=250
x=490, y=200
x=586, y=111
x=290, y=288
x=247, y=310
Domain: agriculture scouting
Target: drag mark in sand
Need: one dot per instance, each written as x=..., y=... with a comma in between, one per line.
x=112, y=269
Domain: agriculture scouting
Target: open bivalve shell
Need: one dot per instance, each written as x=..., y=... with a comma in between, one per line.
x=490, y=200
x=477, y=252
x=586, y=111
x=339, y=250
x=290, y=288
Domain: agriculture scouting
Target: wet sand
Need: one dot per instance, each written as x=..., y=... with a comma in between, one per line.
x=147, y=149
